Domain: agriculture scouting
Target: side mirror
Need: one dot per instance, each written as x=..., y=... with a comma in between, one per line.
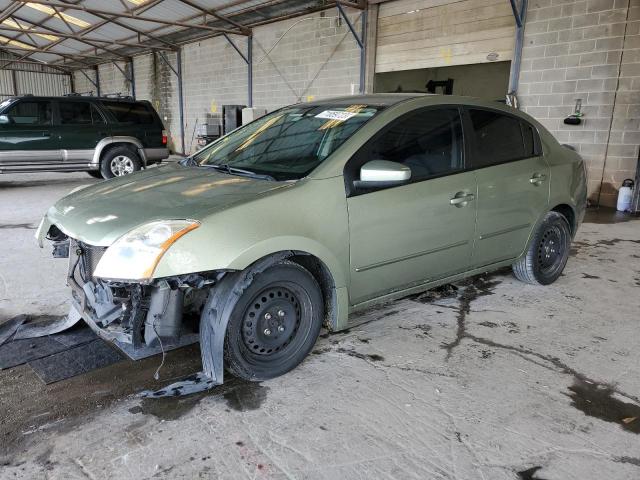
x=4, y=120
x=382, y=173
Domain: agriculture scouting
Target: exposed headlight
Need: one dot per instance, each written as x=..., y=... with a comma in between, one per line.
x=135, y=255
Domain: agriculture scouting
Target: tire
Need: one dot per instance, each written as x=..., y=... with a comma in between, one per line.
x=95, y=173
x=548, y=252
x=274, y=323
x=119, y=161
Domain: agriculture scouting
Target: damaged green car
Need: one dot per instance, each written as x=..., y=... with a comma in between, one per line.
x=311, y=213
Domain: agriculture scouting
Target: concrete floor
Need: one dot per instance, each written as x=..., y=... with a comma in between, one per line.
x=494, y=380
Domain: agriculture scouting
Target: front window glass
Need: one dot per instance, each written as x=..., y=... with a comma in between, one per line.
x=30, y=113
x=287, y=144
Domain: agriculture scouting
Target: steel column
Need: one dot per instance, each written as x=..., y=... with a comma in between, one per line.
x=132, y=79
x=14, y=80
x=360, y=40
x=520, y=16
x=97, y=82
x=250, y=70
x=178, y=74
x=180, y=97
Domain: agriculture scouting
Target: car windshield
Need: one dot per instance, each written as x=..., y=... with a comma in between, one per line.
x=287, y=144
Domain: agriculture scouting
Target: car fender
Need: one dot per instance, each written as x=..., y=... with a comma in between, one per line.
x=181, y=258
x=120, y=139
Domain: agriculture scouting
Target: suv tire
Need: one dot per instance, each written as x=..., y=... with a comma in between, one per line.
x=274, y=324
x=95, y=173
x=548, y=252
x=119, y=161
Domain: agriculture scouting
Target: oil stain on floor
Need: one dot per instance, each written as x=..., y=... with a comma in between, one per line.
x=597, y=400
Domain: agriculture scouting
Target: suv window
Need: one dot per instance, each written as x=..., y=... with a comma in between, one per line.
x=129, y=112
x=75, y=113
x=30, y=112
x=498, y=138
x=428, y=141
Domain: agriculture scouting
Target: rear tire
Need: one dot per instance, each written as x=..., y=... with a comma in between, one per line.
x=119, y=161
x=548, y=252
x=274, y=324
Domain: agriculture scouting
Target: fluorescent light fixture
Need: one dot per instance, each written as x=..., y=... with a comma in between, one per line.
x=10, y=23
x=49, y=10
x=138, y=2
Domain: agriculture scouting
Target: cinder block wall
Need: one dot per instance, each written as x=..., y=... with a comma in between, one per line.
x=589, y=50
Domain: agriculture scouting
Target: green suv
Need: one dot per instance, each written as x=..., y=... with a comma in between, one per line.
x=107, y=137
x=311, y=213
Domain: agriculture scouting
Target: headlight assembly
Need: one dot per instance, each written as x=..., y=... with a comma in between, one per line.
x=135, y=255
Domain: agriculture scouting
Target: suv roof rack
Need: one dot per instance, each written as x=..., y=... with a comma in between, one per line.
x=117, y=95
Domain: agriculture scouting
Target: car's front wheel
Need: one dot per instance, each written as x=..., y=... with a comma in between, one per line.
x=274, y=323
x=548, y=251
x=119, y=161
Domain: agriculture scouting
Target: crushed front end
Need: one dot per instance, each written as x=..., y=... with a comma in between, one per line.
x=141, y=318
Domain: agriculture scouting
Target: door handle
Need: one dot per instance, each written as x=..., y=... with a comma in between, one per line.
x=537, y=178
x=461, y=199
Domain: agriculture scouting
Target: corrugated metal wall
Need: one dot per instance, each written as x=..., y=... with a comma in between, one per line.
x=33, y=79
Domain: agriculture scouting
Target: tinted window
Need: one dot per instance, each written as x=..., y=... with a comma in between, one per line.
x=36, y=112
x=128, y=112
x=498, y=138
x=529, y=135
x=427, y=141
x=75, y=113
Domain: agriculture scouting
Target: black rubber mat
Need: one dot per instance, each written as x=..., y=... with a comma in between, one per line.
x=17, y=352
x=75, y=361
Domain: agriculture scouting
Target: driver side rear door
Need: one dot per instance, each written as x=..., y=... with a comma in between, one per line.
x=418, y=232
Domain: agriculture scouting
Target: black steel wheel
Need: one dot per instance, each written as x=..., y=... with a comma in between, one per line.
x=548, y=252
x=275, y=323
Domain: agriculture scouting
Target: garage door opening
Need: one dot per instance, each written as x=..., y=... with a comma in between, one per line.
x=483, y=80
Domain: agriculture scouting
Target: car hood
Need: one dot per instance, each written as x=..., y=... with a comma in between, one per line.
x=101, y=213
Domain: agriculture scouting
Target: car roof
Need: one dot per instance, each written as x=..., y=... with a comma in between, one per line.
x=76, y=97
x=380, y=99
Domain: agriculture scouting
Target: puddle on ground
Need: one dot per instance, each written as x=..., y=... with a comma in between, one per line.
x=529, y=473
x=239, y=395
x=604, y=216
x=597, y=400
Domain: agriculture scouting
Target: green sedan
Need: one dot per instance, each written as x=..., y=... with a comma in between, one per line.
x=309, y=214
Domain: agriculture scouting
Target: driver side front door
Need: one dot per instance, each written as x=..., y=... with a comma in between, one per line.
x=411, y=234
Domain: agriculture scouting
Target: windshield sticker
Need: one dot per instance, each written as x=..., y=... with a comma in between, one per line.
x=336, y=115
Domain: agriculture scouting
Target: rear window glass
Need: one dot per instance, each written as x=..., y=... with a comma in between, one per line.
x=529, y=135
x=126, y=112
x=498, y=138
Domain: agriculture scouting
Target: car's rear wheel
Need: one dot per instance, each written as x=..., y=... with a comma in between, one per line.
x=548, y=252
x=274, y=324
x=119, y=161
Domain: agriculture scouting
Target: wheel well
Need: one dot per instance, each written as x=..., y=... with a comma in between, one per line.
x=323, y=276
x=569, y=214
x=111, y=146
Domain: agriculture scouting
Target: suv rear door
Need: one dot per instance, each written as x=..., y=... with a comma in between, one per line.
x=513, y=183
x=26, y=137
x=80, y=126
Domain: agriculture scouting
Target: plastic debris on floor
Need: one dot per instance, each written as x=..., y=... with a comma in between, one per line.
x=52, y=349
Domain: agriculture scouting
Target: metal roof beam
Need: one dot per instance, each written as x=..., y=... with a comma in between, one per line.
x=75, y=36
x=97, y=12
x=206, y=11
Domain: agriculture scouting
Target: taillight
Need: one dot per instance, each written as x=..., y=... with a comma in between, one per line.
x=164, y=137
